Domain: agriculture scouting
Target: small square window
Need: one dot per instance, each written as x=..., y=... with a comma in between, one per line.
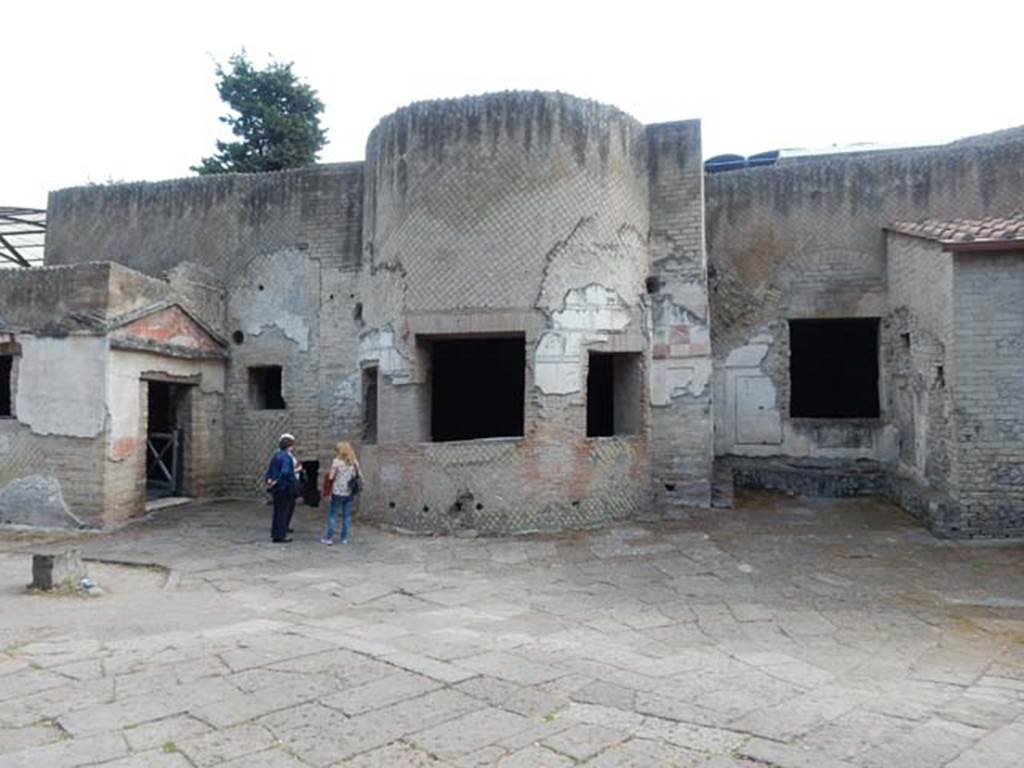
x=613, y=394
x=265, y=388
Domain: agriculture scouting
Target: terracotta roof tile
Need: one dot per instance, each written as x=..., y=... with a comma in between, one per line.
x=991, y=229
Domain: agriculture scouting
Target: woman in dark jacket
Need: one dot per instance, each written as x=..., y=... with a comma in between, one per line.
x=282, y=485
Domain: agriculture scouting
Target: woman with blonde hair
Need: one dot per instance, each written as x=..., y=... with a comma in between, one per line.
x=342, y=483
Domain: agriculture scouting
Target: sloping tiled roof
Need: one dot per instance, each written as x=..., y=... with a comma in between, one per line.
x=991, y=231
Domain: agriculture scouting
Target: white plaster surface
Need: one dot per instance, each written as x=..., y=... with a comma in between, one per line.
x=125, y=383
x=284, y=303
x=688, y=296
x=748, y=356
x=587, y=316
x=674, y=378
x=593, y=308
x=750, y=417
x=557, y=366
x=758, y=420
x=381, y=345
x=61, y=385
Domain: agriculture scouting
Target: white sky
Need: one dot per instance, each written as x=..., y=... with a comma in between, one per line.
x=102, y=90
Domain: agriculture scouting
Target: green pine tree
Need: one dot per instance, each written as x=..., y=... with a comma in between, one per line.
x=275, y=116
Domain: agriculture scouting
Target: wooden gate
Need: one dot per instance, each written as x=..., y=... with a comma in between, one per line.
x=162, y=460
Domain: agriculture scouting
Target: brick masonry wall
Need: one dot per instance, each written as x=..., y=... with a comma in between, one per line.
x=989, y=391
x=515, y=212
x=918, y=358
x=805, y=239
x=681, y=417
x=268, y=256
x=201, y=419
x=76, y=462
x=511, y=213
x=215, y=222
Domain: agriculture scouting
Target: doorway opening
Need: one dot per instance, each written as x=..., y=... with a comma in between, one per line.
x=166, y=430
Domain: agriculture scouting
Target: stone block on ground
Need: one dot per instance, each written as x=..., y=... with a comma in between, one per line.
x=36, y=501
x=57, y=570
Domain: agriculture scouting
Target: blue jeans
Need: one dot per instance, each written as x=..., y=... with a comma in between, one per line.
x=345, y=502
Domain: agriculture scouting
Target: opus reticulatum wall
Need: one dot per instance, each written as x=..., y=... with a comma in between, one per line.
x=582, y=239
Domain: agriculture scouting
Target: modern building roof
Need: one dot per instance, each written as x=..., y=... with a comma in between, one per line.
x=988, y=233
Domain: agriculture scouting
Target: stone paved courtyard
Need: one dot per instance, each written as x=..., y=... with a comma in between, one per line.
x=790, y=632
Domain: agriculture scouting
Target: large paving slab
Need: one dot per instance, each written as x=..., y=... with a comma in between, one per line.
x=788, y=632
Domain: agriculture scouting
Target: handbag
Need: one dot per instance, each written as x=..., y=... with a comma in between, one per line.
x=355, y=484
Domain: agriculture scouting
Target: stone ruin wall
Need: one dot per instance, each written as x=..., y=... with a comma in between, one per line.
x=805, y=239
x=268, y=260
x=509, y=213
x=921, y=328
x=988, y=376
x=682, y=449
x=566, y=207
x=66, y=447
x=522, y=212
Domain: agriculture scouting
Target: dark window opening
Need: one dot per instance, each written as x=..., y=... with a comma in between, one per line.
x=833, y=368
x=6, y=386
x=613, y=394
x=265, y=388
x=370, y=406
x=600, y=396
x=477, y=388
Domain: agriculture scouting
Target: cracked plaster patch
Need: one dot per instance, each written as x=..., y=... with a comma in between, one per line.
x=347, y=389
x=62, y=385
x=593, y=308
x=587, y=316
x=674, y=379
x=380, y=345
x=283, y=301
x=621, y=263
x=747, y=356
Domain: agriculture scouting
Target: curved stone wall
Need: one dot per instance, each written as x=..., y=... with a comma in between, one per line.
x=469, y=199
x=508, y=213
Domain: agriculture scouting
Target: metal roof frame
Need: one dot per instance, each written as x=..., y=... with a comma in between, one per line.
x=22, y=234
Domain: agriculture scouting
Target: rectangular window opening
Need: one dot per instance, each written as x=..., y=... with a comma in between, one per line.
x=370, y=406
x=613, y=394
x=833, y=368
x=6, y=386
x=477, y=387
x=265, y=388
